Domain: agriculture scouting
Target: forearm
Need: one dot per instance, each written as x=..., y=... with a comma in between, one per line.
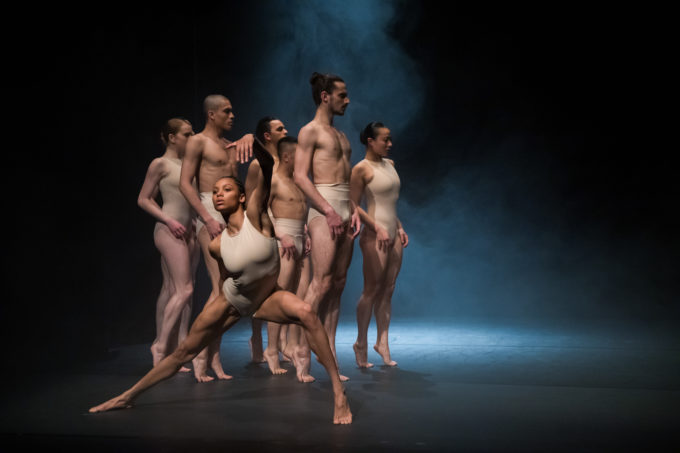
x=316, y=200
x=194, y=201
x=366, y=219
x=152, y=208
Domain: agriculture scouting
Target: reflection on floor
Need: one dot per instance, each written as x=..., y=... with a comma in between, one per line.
x=459, y=386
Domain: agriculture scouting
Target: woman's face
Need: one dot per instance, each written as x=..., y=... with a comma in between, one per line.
x=226, y=196
x=382, y=143
x=182, y=136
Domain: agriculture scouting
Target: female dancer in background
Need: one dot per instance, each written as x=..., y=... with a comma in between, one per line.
x=248, y=258
x=382, y=239
x=175, y=238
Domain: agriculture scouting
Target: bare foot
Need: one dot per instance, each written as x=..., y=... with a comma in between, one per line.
x=156, y=353
x=285, y=358
x=384, y=351
x=203, y=377
x=256, y=354
x=184, y=370
x=361, y=354
x=222, y=375
x=118, y=402
x=201, y=370
x=301, y=364
x=216, y=366
x=342, y=415
x=272, y=358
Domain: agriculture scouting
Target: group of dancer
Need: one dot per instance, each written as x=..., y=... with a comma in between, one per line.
x=276, y=248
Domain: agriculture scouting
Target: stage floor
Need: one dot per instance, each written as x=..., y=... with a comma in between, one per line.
x=459, y=386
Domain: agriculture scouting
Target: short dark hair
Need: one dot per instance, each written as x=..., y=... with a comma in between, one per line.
x=323, y=82
x=370, y=131
x=263, y=126
x=283, y=142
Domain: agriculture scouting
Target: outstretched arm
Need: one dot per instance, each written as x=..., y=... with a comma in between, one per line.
x=259, y=198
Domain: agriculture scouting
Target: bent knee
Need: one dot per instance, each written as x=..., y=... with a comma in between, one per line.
x=306, y=314
x=185, y=291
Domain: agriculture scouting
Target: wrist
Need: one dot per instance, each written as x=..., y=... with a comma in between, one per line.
x=328, y=210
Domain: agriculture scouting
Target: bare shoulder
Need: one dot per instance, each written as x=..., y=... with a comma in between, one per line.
x=159, y=166
x=196, y=142
x=310, y=130
x=362, y=170
x=390, y=161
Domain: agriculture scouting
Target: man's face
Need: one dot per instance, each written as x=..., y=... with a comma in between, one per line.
x=224, y=116
x=338, y=99
x=276, y=133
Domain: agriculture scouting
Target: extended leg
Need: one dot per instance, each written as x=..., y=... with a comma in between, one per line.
x=211, y=323
x=285, y=307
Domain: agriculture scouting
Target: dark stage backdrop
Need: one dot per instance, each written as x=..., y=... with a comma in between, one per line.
x=533, y=183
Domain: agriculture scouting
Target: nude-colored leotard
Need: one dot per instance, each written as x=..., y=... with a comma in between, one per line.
x=174, y=203
x=382, y=194
x=252, y=260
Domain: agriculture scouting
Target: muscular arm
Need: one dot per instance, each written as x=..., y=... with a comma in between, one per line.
x=190, y=165
x=288, y=250
x=259, y=197
x=357, y=184
x=253, y=179
x=303, y=166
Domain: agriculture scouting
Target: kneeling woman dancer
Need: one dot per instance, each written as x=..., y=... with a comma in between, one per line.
x=249, y=265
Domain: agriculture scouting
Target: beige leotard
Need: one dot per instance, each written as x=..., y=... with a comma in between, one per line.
x=382, y=194
x=252, y=261
x=174, y=203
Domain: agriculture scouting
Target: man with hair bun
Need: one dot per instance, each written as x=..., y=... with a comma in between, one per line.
x=209, y=156
x=333, y=222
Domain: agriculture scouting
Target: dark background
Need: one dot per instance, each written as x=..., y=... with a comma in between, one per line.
x=535, y=183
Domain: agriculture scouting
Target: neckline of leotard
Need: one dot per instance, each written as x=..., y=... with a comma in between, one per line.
x=245, y=219
x=176, y=160
x=381, y=163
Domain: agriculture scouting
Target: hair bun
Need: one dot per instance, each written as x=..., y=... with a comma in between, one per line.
x=315, y=76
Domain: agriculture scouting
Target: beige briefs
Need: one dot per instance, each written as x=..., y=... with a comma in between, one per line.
x=293, y=228
x=206, y=200
x=337, y=195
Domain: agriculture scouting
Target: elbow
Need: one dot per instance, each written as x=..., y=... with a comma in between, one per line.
x=298, y=179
